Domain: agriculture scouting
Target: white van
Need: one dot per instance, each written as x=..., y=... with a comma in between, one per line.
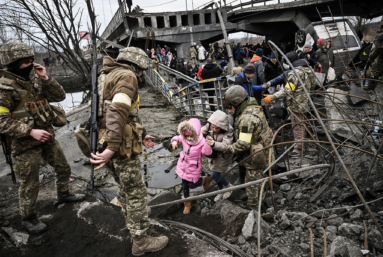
x=351, y=41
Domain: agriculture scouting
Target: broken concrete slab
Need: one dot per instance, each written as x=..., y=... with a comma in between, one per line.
x=344, y=247
x=358, y=91
x=250, y=228
x=17, y=238
x=376, y=239
x=165, y=210
x=348, y=229
x=333, y=103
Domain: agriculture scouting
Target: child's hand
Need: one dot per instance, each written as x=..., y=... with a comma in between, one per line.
x=210, y=142
x=174, y=145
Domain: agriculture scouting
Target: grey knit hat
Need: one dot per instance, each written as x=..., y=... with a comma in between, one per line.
x=249, y=69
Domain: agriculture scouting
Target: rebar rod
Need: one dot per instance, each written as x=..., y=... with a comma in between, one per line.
x=240, y=186
x=331, y=142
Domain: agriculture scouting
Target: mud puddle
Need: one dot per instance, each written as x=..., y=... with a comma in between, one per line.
x=153, y=169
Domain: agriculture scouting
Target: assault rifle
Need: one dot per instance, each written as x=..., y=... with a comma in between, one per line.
x=93, y=123
x=7, y=153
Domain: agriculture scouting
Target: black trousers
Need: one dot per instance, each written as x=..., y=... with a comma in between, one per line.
x=211, y=100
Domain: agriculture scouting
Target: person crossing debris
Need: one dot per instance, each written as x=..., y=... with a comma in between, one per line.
x=189, y=164
x=298, y=104
x=252, y=133
x=376, y=58
x=26, y=117
x=219, y=132
x=121, y=137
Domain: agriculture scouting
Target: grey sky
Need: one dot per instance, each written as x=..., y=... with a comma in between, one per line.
x=105, y=9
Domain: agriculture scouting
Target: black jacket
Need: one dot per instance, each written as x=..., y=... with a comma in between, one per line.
x=312, y=60
x=173, y=63
x=271, y=70
x=209, y=71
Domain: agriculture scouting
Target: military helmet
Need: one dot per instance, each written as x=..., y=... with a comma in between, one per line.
x=235, y=95
x=13, y=51
x=134, y=55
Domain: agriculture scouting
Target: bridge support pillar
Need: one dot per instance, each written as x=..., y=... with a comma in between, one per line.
x=202, y=19
x=141, y=23
x=301, y=20
x=154, y=22
x=213, y=17
x=166, y=19
x=190, y=20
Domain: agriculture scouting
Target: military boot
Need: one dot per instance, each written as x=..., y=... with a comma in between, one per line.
x=34, y=225
x=241, y=176
x=64, y=197
x=148, y=244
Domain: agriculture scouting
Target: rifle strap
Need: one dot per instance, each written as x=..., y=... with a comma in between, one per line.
x=25, y=98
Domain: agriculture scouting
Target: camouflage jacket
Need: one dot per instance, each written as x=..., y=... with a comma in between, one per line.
x=122, y=80
x=252, y=128
x=19, y=130
x=379, y=33
x=193, y=52
x=293, y=88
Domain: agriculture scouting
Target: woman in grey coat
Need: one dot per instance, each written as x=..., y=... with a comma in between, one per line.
x=219, y=134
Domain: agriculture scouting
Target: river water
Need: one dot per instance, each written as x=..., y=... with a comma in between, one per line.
x=74, y=98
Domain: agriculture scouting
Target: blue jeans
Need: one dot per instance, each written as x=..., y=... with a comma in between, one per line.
x=159, y=57
x=216, y=176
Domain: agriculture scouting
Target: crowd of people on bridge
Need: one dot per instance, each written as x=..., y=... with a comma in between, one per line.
x=266, y=78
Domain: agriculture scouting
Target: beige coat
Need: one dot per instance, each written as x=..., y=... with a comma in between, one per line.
x=219, y=119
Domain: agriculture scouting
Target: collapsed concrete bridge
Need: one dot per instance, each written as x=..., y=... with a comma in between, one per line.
x=278, y=22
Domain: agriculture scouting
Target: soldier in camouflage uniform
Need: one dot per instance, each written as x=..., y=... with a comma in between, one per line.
x=252, y=133
x=122, y=136
x=376, y=58
x=26, y=118
x=297, y=101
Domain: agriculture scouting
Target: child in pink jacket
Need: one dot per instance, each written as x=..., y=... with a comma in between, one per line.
x=190, y=162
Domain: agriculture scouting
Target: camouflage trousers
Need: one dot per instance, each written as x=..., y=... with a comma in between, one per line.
x=194, y=60
x=253, y=191
x=27, y=166
x=376, y=58
x=132, y=193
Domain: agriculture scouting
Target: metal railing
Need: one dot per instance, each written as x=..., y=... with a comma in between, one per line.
x=193, y=99
x=196, y=100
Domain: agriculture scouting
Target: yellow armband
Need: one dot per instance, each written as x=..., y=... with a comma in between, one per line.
x=290, y=86
x=3, y=109
x=246, y=137
x=122, y=98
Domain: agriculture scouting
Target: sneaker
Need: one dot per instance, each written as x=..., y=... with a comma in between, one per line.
x=64, y=197
x=371, y=84
x=218, y=198
x=294, y=154
x=227, y=194
x=148, y=244
x=34, y=225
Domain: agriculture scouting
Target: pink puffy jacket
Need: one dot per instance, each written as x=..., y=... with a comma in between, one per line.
x=190, y=162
